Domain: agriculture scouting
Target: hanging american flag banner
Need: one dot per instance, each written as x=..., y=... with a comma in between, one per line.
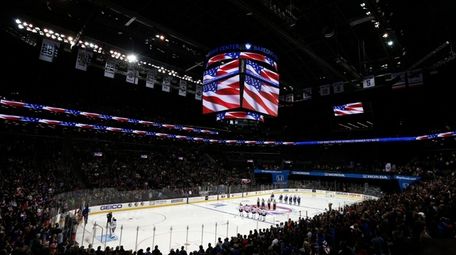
x=254, y=69
x=83, y=59
x=260, y=96
x=49, y=50
x=220, y=72
x=166, y=84
x=221, y=95
x=151, y=78
x=239, y=115
x=110, y=69
x=198, y=92
x=348, y=109
x=182, y=88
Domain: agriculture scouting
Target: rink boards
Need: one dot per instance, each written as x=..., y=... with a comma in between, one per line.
x=191, y=200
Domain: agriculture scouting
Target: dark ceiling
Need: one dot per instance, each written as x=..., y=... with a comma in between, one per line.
x=317, y=41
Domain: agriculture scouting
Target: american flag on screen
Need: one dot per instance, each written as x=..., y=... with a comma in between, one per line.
x=219, y=72
x=348, y=109
x=260, y=96
x=222, y=56
x=263, y=73
x=221, y=95
x=259, y=57
x=244, y=55
x=240, y=115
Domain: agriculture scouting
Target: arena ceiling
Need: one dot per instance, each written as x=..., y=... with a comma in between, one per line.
x=317, y=41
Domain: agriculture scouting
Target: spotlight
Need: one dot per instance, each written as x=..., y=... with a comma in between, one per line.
x=162, y=37
x=132, y=58
x=390, y=43
x=385, y=35
x=363, y=4
x=20, y=26
x=18, y=21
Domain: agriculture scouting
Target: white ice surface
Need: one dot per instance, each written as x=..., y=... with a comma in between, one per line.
x=223, y=213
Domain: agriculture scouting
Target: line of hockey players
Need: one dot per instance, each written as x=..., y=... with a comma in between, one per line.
x=295, y=200
x=256, y=212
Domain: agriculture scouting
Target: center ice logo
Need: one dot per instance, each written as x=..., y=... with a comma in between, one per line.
x=218, y=205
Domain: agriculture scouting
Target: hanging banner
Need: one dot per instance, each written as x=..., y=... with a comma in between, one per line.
x=49, y=50
x=182, y=88
x=307, y=94
x=338, y=87
x=198, y=92
x=151, y=78
x=110, y=69
x=415, y=78
x=289, y=98
x=325, y=90
x=132, y=75
x=83, y=59
x=369, y=82
x=398, y=80
x=166, y=84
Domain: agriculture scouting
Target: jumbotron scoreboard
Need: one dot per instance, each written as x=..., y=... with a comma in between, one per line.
x=241, y=81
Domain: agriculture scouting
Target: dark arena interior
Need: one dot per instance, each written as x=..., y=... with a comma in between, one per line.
x=228, y=127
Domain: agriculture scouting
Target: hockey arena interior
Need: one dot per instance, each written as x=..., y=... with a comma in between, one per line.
x=241, y=127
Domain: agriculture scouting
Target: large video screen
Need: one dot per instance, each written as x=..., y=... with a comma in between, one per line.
x=348, y=109
x=223, y=71
x=221, y=95
x=260, y=96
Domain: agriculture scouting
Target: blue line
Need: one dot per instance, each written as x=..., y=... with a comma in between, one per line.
x=230, y=213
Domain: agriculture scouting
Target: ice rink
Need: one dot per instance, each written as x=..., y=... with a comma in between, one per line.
x=167, y=226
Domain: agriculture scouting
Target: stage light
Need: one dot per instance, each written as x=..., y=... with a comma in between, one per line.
x=18, y=21
x=162, y=37
x=390, y=43
x=368, y=13
x=20, y=26
x=132, y=58
x=363, y=4
x=385, y=35
x=70, y=38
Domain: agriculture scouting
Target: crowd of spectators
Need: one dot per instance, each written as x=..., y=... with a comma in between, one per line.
x=36, y=171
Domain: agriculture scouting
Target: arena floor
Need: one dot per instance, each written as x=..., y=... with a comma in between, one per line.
x=220, y=219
